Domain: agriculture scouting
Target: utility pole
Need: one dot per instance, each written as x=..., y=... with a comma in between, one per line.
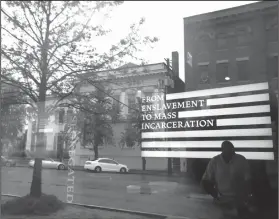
x=139, y=121
x=165, y=84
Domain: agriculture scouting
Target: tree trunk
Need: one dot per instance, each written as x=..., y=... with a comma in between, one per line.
x=96, y=152
x=95, y=148
x=36, y=186
x=62, y=152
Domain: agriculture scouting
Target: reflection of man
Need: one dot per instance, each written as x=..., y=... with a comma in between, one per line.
x=227, y=179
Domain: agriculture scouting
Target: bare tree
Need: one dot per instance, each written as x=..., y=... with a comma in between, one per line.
x=48, y=46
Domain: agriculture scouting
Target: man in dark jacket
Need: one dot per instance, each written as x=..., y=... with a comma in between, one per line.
x=228, y=180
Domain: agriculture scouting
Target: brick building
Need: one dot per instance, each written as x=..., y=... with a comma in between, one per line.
x=231, y=47
x=238, y=44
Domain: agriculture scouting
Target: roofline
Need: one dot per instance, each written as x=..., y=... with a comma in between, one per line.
x=231, y=11
x=119, y=69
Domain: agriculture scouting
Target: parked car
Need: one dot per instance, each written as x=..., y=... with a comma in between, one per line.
x=7, y=162
x=105, y=165
x=50, y=164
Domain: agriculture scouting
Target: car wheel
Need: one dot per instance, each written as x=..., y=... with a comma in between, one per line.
x=123, y=170
x=98, y=169
x=8, y=164
x=61, y=167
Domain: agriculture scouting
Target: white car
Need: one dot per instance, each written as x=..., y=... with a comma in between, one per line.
x=49, y=163
x=105, y=164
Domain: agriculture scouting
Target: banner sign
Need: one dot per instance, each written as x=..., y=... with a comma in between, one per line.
x=194, y=124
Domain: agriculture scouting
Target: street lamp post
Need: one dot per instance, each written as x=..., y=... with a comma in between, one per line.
x=164, y=85
x=139, y=121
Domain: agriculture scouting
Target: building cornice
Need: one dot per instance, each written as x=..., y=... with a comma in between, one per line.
x=233, y=13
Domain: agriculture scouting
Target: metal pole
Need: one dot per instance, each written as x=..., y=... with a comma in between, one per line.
x=165, y=100
x=139, y=118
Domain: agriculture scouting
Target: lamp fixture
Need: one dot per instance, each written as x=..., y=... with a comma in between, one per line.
x=227, y=78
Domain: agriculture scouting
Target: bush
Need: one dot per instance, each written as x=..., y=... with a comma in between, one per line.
x=28, y=205
x=53, y=154
x=17, y=154
x=31, y=154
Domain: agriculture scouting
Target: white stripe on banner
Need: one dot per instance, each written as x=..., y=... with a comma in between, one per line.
x=218, y=91
x=239, y=99
x=209, y=133
x=206, y=154
x=244, y=121
x=225, y=111
x=207, y=144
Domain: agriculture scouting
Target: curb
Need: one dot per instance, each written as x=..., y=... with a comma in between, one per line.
x=131, y=172
x=141, y=213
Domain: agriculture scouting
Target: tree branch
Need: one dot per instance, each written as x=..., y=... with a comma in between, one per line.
x=35, y=21
x=17, y=23
x=79, y=35
x=62, y=97
x=30, y=26
x=22, y=69
x=14, y=83
x=37, y=58
x=62, y=10
x=27, y=62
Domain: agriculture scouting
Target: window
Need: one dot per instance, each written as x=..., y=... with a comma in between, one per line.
x=59, y=143
x=272, y=67
x=116, y=102
x=222, y=71
x=107, y=161
x=104, y=161
x=272, y=35
x=61, y=115
x=131, y=102
x=112, y=162
x=203, y=69
x=243, y=69
x=221, y=43
x=243, y=40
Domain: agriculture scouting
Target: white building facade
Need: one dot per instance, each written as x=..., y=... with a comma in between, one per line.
x=130, y=81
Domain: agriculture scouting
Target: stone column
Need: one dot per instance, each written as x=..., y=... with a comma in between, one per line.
x=29, y=136
x=123, y=99
x=157, y=92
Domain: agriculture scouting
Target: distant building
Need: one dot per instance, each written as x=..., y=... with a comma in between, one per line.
x=130, y=80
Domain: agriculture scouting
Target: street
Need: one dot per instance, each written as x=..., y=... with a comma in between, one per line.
x=170, y=196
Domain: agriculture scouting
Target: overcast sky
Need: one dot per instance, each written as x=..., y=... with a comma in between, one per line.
x=164, y=20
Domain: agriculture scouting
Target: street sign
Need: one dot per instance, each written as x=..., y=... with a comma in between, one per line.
x=194, y=124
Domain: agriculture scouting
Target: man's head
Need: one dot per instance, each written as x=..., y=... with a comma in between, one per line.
x=227, y=151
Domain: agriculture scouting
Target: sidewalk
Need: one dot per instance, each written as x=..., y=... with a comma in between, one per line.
x=170, y=199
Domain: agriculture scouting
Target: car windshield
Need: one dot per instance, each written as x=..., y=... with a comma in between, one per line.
x=50, y=159
x=114, y=161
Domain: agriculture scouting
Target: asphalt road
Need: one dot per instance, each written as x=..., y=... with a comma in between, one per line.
x=170, y=196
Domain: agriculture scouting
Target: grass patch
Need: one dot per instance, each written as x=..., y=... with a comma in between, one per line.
x=71, y=212
x=28, y=205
